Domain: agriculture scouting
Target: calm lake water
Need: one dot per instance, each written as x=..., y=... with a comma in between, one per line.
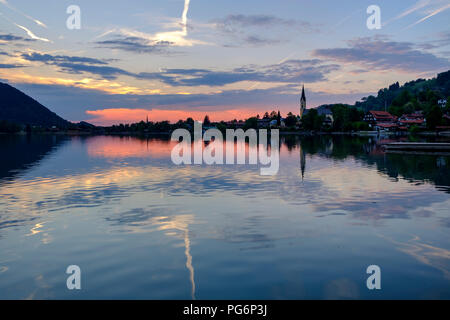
x=140, y=227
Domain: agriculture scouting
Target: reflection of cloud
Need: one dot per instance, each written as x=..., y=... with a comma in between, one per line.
x=366, y=195
x=143, y=220
x=427, y=254
x=129, y=147
x=341, y=289
x=249, y=232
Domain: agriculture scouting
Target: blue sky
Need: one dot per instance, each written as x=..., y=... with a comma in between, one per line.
x=229, y=58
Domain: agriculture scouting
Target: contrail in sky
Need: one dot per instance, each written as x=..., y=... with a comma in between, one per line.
x=184, y=16
x=39, y=23
x=430, y=15
x=31, y=34
x=419, y=5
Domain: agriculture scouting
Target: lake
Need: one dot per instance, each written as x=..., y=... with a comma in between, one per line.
x=141, y=227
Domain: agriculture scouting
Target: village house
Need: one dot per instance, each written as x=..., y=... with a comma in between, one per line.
x=377, y=117
x=235, y=124
x=384, y=121
x=264, y=123
x=328, y=116
x=413, y=119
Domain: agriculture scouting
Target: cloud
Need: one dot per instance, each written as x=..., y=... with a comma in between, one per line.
x=442, y=39
x=258, y=20
x=253, y=41
x=10, y=66
x=73, y=102
x=140, y=42
x=135, y=44
x=290, y=71
x=246, y=29
x=378, y=53
x=78, y=65
x=47, y=58
x=106, y=72
x=12, y=38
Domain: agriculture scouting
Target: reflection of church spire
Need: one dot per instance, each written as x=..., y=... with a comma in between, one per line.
x=302, y=161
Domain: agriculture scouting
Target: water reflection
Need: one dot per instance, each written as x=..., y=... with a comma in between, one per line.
x=25, y=151
x=353, y=188
x=19, y=152
x=413, y=168
x=118, y=203
x=139, y=220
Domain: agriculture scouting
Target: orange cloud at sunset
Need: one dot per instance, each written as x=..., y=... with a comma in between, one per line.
x=123, y=115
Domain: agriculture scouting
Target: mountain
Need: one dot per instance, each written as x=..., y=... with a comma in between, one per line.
x=420, y=94
x=16, y=107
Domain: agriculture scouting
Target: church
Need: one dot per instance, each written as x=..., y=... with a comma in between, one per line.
x=302, y=103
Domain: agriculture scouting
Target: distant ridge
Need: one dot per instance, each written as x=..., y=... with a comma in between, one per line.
x=17, y=107
x=397, y=95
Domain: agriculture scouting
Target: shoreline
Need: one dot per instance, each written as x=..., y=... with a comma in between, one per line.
x=282, y=133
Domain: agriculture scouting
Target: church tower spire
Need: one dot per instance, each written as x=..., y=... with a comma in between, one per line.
x=302, y=102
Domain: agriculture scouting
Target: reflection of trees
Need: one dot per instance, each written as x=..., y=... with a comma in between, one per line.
x=20, y=152
x=414, y=168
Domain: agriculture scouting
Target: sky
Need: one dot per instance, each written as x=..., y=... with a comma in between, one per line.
x=173, y=59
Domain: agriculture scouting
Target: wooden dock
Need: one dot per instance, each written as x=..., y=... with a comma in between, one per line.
x=418, y=148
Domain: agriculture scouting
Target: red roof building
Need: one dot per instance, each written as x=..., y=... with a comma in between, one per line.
x=412, y=122
x=379, y=116
x=413, y=116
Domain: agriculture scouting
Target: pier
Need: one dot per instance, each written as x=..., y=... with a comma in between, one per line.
x=418, y=148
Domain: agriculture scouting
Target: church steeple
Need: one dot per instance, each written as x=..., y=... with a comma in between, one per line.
x=302, y=102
